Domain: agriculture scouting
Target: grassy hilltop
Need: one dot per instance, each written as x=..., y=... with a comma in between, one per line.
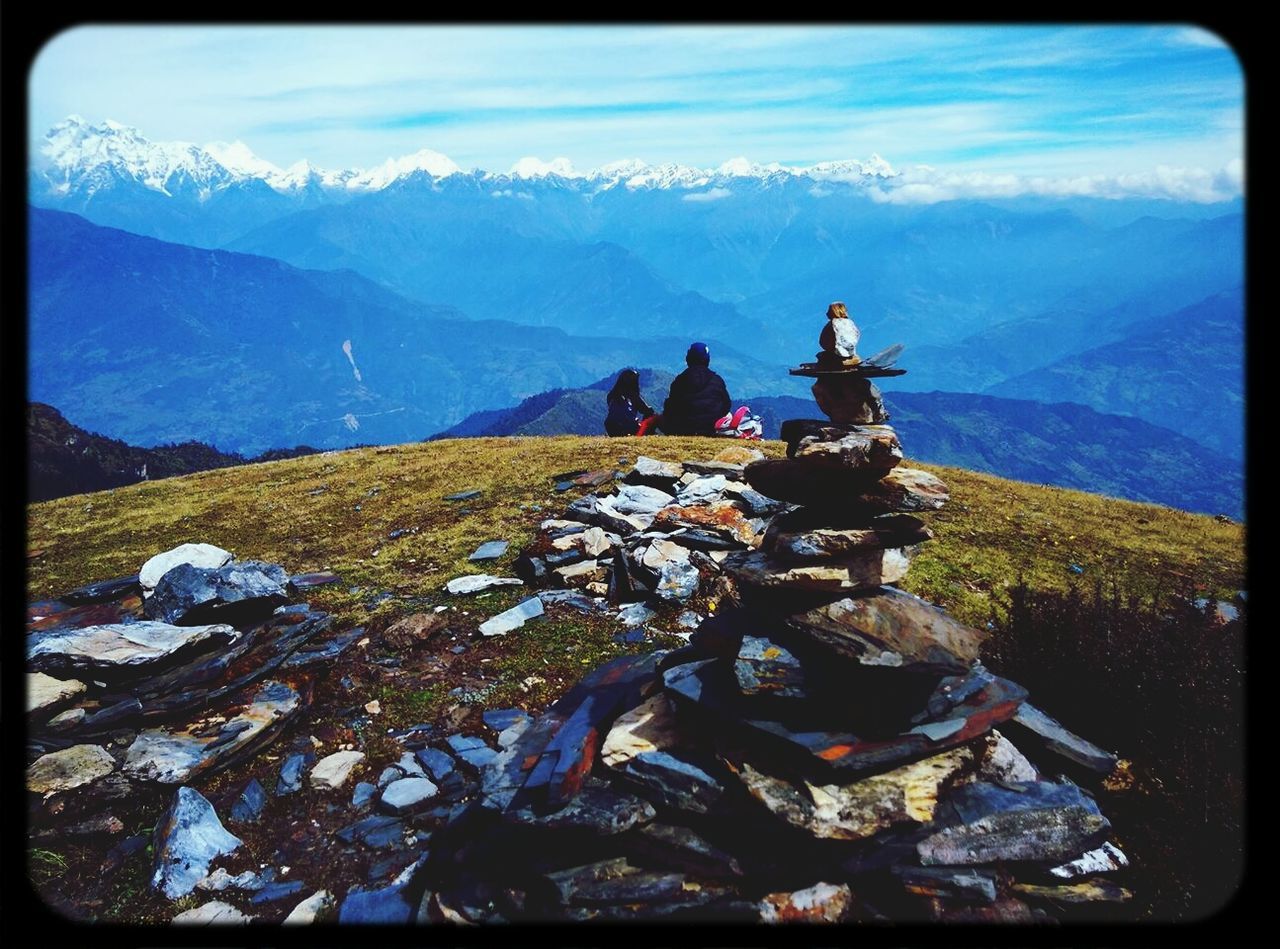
x=336, y=511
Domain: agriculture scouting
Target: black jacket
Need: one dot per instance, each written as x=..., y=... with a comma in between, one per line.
x=697, y=401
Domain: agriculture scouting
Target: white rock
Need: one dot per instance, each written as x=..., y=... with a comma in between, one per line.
x=215, y=913
x=595, y=542
x=198, y=555
x=640, y=499
x=475, y=582
x=651, y=726
x=702, y=490
x=664, y=551
x=45, y=693
x=121, y=644
x=332, y=771
x=310, y=909
x=403, y=795
x=513, y=618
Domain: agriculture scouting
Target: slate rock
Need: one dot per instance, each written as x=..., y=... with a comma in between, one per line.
x=249, y=805
x=300, y=582
x=45, y=694
x=806, y=534
x=469, y=495
x=661, y=552
x=437, y=763
x=765, y=668
x=387, y=905
x=69, y=768
x=313, y=909
x=869, y=448
x=134, y=648
x=195, y=555
x=674, y=781
x=68, y=721
x=677, y=581
x=188, y=595
x=859, y=572
x=702, y=490
x=529, y=569
x=635, y=614
x=1057, y=739
x=1087, y=891
x=406, y=794
x=476, y=582
x=1038, y=834
x=682, y=849
x=513, y=618
x=213, y=913
x=333, y=770
x=500, y=719
x=846, y=492
x=291, y=772
x=1104, y=859
x=654, y=473
x=378, y=832
x=389, y=774
x=188, y=838
x=277, y=891
x=820, y=903
x=490, y=550
x=949, y=882
x=603, y=810
x=888, y=627
x=723, y=518
x=103, y=591
x=639, y=499
x=411, y=630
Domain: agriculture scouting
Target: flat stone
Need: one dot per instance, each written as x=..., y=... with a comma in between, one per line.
x=864, y=808
x=500, y=719
x=94, y=826
x=300, y=582
x=291, y=772
x=677, y=581
x=581, y=573
x=892, y=628
x=469, y=495
x=389, y=774
x=949, y=882
x=476, y=582
x=408, y=763
x=439, y=764
x=872, y=448
x=702, y=490
x=277, y=891
x=69, y=768
x=907, y=490
x=851, y=398
x=332, y=771
x=248, y=881
x=573, y=599
x=808, y=534
x=529, y=569
x=650, y=726
x=1060, y=741
x=842, y=490
x=363, y=794
x=859, y=572
x=45, y=693
x=820, y=903
x=378, y=832
x=103, y=591
x=1034, y=833
x=414, y=629
x=187, y=839
x=681, y=849
x=593, y=479
x=1004, y=763
x=197, y=555
x=178, y=755
x=313, y=909
x=490, y=550
x=47, y=617
x=513, y=618
x=656, y=474
x=608, y=516
x=67, y=721
x=121, y=647
x=635, y=614
x=598, y=808
x=243, y=591
x=406, y=794
x=1088, y=891
x=663, y=551
x=249, y=805
x=723, y=518
x=213, y=913
x=387, y=905
x=765, y=668
x=674, y=781
x=639, y=499
x=1104, y=859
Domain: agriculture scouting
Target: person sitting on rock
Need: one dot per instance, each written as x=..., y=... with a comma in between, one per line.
x=839, y=338
x=629, y=413
x=698, y=397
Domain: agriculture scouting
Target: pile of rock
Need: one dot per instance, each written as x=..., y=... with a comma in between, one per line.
x=824, y=748
x=160, y=678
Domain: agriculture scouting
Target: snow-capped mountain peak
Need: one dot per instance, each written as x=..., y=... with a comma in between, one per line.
x=536, y=168
x=238, y=158
x=433, y=163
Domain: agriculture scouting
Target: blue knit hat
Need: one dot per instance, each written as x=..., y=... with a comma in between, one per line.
x=698, y=355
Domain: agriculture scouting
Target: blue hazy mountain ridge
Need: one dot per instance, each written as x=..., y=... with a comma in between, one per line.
x=154, y=342
x=1061, y=444
x=1184, y=372
x=982, y=290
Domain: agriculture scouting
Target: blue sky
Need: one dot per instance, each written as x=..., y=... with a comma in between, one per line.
x=1024, y=100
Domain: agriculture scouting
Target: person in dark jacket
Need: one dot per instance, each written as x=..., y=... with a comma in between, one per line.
x=698, y=397
x=628, y=411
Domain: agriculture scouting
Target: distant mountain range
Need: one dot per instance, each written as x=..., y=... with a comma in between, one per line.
x=1062, y=444
x=155, y=342
x=65, y=459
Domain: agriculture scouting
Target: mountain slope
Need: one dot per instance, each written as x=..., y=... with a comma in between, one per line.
x=65, y=459
x=1184, y=372
x=1064, y=444
x=155, y=342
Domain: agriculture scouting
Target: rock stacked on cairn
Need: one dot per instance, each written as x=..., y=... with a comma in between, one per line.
x=825, y=748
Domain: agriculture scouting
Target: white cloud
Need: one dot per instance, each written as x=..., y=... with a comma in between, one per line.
x=715, y=194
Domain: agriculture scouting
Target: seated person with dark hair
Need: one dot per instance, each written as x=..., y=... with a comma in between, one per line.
x=629, y=413
x=698, y=397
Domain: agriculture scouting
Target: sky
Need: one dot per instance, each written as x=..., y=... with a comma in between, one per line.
x=1065, y=102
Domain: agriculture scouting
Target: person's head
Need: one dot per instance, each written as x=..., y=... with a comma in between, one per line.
x=837, y=312
x=627, y=384
x=698, y=355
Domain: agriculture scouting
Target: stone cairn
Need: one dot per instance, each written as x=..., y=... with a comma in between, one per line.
x=825, y=748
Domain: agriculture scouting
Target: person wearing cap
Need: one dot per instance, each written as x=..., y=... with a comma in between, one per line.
x=698, y=397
